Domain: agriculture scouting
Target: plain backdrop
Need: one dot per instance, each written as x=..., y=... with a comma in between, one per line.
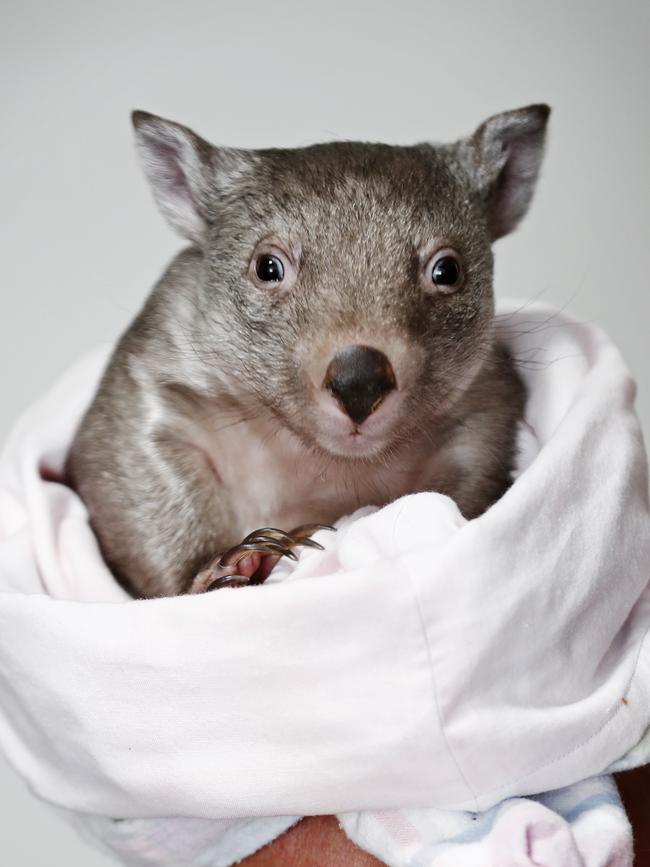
x=81, y=239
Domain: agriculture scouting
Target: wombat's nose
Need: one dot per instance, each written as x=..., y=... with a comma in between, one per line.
x=359, y=377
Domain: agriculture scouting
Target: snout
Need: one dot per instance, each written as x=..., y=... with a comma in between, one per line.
x=359, y=378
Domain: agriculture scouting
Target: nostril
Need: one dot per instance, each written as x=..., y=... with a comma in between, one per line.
x=360, y=377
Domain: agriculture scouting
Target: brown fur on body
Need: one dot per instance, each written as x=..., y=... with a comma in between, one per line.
x=211, y=419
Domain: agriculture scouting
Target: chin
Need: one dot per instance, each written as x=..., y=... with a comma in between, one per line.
x=354, y=446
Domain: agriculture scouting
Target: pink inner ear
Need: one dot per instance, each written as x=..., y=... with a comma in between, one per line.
x=515, y=184
x=172, y=163
x=505, y=154
x=169, y=160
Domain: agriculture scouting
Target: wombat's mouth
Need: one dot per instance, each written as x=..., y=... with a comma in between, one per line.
x=342, y=435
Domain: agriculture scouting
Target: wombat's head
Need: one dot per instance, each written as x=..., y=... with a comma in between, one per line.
x=346, y=286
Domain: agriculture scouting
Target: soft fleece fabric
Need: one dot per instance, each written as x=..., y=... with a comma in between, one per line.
x=421, y=660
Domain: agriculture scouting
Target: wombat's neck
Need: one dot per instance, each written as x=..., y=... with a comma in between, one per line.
x=276, y=479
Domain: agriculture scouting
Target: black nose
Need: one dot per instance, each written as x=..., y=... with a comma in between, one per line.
x=359, y=377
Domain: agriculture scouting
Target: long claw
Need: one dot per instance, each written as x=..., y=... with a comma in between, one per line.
x=288, y=541
x=298, y=536
x=268, y=540
x=271, y=533
x=228, y=581
x=306, y=530
x=308, y=543
x=234, y=555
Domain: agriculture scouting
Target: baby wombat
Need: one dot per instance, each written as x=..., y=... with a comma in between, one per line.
x=327, y=341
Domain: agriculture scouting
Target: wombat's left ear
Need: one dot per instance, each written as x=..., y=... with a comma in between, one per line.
x=503, y=158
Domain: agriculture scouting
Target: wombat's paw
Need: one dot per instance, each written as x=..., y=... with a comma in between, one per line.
x=252, y=561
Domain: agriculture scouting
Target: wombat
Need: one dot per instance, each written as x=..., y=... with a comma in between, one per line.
x=326, y=342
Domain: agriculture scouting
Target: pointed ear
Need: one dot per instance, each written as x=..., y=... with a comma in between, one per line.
x=178, y=165
x=503, y=158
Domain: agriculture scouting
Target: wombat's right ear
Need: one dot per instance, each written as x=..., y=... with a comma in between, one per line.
x=178, y=165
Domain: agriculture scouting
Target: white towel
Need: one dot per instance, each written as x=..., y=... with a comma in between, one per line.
x=421, y=659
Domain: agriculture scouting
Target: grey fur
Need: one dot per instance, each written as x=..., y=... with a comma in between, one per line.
x=206, y=426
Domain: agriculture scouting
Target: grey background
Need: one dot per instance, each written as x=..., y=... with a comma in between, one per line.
x=82, y=242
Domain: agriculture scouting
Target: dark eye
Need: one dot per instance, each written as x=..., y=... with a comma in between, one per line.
x=269, y=269
x=273, y=266
x=446, y=271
